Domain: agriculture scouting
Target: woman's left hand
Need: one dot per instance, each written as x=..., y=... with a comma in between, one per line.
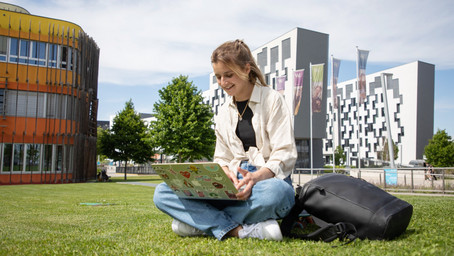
x=246, y=184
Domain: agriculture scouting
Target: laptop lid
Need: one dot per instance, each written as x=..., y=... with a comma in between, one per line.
x=197, y=180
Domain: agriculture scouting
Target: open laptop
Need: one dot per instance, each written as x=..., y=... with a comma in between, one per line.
x=197, y=180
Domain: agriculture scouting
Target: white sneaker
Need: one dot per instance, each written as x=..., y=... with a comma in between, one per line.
x=268, y=230
x=183, y=229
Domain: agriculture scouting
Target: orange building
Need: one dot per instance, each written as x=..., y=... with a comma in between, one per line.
x=48, y=99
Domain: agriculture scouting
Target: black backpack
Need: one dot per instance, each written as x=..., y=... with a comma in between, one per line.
x=348, y=208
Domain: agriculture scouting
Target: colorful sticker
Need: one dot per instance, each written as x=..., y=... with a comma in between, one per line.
x=230, y=194
x=211, y=168
x=193, y=169
x=217, y=185
x=187, y=193
x=188, y=184
x=185, y=174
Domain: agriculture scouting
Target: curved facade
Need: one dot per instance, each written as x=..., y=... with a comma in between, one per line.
x=48, y=99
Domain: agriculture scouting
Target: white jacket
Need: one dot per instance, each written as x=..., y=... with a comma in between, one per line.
x=272, y=123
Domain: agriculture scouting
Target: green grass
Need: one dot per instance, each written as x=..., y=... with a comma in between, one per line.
x=50, y=220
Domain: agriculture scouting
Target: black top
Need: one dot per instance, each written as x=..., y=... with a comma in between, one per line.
x=244, y=129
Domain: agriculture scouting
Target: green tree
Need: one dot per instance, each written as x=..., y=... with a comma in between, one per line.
x=183, y=126
x=386, y=155
x=339, y=155
x=440, y=150
x=128, y=139
x=101, y=157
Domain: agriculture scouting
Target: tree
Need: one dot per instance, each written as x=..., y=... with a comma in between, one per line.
x=440, y=150
x=128, y=139
x=183, y=126
x=386, y=155
x=101, y=157
x=339, y=155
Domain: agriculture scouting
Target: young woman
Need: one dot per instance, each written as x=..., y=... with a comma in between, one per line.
x=255, y=146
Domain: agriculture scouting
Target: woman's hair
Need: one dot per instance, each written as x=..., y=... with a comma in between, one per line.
x=236, y=55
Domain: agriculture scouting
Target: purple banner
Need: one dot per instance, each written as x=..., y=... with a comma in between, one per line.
x=336, y=65
x=362, y=60
x=297, y=89
x=280, y=84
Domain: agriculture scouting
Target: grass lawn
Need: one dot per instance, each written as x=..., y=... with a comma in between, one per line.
x=50, y=220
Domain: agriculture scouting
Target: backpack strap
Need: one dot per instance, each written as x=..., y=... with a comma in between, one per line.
x=330, y=232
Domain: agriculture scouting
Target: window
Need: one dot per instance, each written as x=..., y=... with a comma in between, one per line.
x=7, y=157
x=24, y=52
x=27, y=52
x=38, y=53
x=47, y=158
x=13, y=50
x=18, y=157
x=22, y=103
x=32, y=158
x=19, y=51
x=52, y=55
x=59, y=158
x=66, y=57
x=3, y=47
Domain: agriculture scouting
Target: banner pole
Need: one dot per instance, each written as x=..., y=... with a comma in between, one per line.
x=358, y=157
x=332, y=112
x=384, y=83
x=310, y=110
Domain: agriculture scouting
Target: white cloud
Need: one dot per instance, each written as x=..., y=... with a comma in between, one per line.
x=146, y=42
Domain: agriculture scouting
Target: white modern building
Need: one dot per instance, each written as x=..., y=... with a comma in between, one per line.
x=410, y=97
x=284, y=55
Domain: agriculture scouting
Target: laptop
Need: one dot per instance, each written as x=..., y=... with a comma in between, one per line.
x=197, y=180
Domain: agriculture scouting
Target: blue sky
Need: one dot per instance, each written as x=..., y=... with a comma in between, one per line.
x=146, y=43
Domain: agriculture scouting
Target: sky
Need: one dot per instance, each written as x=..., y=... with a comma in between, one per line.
x=144, y=44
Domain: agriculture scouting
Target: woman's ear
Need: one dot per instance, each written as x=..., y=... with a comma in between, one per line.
x=247, y=69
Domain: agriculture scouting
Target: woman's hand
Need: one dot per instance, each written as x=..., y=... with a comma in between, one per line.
x=230, y=174
x=249, y=180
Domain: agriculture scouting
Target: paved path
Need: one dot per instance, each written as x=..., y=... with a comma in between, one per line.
x=139, y=183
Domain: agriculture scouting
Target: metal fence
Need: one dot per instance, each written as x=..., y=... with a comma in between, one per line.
x=142, y=169
x=423, y=180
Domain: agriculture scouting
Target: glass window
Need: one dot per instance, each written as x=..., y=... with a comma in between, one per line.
x=7, y=157
x=32, y=160
x=3, y=47
x=13, y=49
x=47, y=158
x=24, y=48
x=51, y=105
x=30, y=104
x=52, y=56
x=38, y=53
x=66, y=57
x=59, y=159
x=18, y=157
x=19, y=50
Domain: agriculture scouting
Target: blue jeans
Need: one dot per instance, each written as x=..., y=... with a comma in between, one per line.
x=271, y=199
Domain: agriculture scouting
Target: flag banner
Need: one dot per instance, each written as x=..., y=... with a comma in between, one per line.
x=336, y=65
x=280, y=84
x=362, y=60
x=297, y=89
x=317, y=87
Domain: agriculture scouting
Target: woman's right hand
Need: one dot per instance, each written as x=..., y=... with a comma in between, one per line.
x=230, y=174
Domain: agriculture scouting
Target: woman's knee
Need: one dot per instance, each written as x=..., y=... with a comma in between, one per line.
x=275, y=191
x=159, y=194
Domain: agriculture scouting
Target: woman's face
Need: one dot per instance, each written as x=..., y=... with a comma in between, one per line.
x=231, y=83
